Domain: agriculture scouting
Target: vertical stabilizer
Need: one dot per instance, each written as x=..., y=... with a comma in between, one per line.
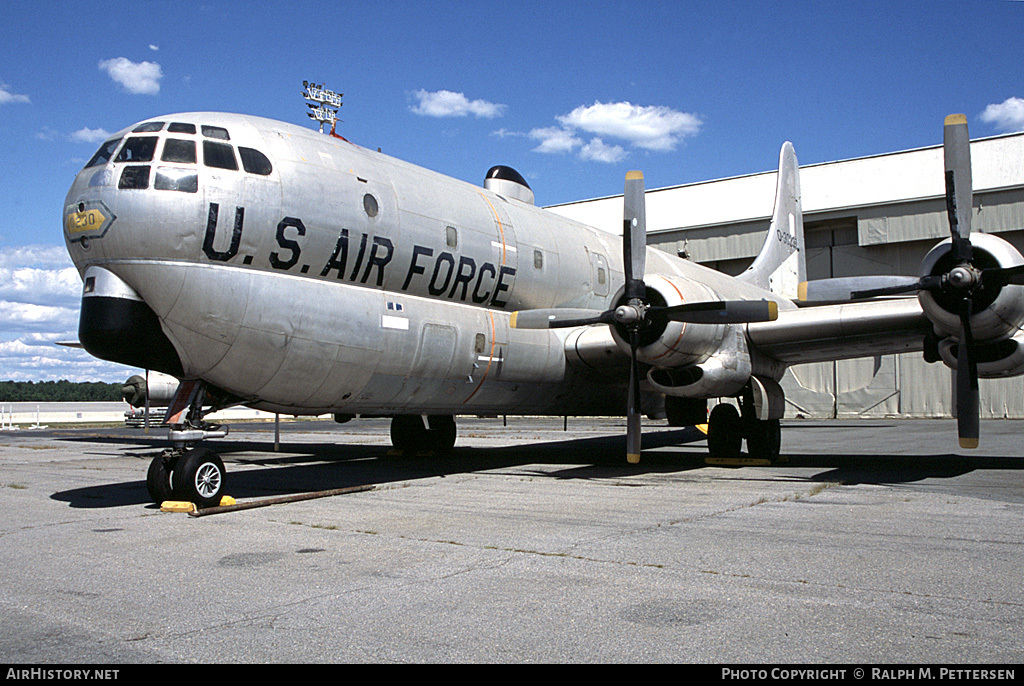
x=780, y=267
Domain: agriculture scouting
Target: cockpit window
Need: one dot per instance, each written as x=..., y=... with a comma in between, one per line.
x=148, y=127
x=179, y=127
x=137, y=149
x=176, y=179
x=104, y=154
x=254, y=162
x=216, y=132
x=178, y=150
x=219, y=155
x=134, y=177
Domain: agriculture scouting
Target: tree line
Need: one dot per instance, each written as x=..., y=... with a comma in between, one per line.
x=62, y=391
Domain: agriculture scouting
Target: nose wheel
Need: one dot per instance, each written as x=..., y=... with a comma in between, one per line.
x=195, y=475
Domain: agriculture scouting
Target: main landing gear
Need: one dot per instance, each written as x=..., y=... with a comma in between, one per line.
x=413, y=433
x=188, y=472
x=727, y=427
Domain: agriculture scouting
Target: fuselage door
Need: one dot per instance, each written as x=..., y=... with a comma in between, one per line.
x=601, y=277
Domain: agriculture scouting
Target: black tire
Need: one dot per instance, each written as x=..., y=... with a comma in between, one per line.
x=764, y=438
x=725, y=436
x=199, y=478
x=408, y=433
x=442, y=432
x=159, y=478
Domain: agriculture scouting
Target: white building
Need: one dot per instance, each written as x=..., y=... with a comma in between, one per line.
x=871, y=215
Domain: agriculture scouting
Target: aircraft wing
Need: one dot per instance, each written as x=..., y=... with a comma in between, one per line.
x=836, y=332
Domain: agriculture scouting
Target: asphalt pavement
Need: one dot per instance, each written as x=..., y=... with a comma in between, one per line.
x=876, y=541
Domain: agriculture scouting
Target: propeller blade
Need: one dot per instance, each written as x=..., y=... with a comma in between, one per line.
x=633, y=432
x=956, y=146
x=558, y=318
x=1002, y=276
x=720, y=312
x=967, y=400
x=634, y=235
x=841, y=289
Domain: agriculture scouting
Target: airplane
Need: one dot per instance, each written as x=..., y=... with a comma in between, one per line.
x=265, y=264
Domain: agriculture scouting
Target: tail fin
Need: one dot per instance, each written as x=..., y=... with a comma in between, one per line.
x=780, y=267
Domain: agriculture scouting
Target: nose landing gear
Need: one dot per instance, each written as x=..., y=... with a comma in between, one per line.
x=195, y=475
x=187, y=472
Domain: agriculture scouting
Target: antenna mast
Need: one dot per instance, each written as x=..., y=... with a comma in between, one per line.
x=325, y=104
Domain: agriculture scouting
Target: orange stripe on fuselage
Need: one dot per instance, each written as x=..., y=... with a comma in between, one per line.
x=672, y=348
x=490, y=358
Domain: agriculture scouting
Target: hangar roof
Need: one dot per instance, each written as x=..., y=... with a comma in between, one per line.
x=998, y=163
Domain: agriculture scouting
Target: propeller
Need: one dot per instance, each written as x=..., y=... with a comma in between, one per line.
x=959, y=286
x=635, y=309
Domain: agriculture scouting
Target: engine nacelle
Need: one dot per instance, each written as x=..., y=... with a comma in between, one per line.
x=674, y=344
x=723, y=374
x=995, y=359
x=160, y=390
x=998, y=312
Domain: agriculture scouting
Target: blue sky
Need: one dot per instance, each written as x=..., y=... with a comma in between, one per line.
x=572, y=94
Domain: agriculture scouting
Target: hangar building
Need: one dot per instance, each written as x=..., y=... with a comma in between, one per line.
x=870, y=215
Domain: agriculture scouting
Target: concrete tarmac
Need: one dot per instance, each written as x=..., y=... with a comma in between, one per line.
x=878, y=542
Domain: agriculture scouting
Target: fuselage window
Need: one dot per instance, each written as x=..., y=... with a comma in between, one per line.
x=137, y=149
x=179, y=127
x=219, y=155
x=104, y=154
x=254, y=162
x=216, y=132
x=148, y=127
x=538, y=259
x=370, y=205
x=178, y=150
x=451, y=237
x=134, y=177
x=175, y=179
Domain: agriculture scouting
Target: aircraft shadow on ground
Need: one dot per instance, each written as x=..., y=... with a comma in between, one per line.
x=308, y=467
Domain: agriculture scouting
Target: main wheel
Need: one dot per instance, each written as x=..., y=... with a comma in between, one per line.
x=199, y=477
x=725, y=435
x=408, y=433
x=159, y=478
x=764, y=438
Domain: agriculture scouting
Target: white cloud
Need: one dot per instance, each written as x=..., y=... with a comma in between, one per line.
x=154, y=48
x=41, y=286
x=87, y=135
x=449, y=104
x=16, y=317
x=6, y=96
x=34, y=256
x=40, y=295
x=597, y=151
x=140, y=78
x=1006, y=116
x=652, y=128
x=554, y=139
x=506, y=133
x=655, y=128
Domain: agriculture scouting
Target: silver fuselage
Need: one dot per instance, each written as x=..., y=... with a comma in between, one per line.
x=343, y=280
